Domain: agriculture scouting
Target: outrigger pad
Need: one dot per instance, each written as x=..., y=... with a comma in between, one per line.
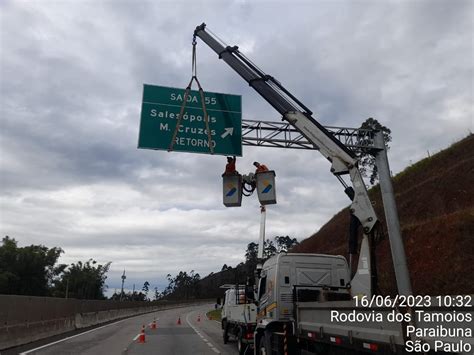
x=232, y=190
x=266, y=187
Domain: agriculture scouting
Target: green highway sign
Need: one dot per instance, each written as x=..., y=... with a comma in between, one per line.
x=160, y=112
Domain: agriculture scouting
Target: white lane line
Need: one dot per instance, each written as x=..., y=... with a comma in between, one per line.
x=72, y=336
x=202, y=337
x=149, y=326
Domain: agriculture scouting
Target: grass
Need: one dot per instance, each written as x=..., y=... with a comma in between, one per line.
x=215, y=314
x=435, y=157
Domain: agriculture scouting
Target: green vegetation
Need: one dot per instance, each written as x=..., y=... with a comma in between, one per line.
x=420, y=166
x=182, y=286
x=280, y=244
x=215, y=314
x=188, y=286
x=367, y=165
x=82, y=281
x=29, y=270
x=33, y=271
x=131, y=296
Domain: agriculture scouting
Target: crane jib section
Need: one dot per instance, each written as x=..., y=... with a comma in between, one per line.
x=299, y=116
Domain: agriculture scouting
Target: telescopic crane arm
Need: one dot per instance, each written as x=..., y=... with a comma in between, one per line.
x=300, y=117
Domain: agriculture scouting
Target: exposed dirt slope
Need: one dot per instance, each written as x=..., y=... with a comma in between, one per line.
x=435, y=199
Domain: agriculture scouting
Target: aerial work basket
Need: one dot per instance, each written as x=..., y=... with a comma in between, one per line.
x=266, y=187
x=232, y=190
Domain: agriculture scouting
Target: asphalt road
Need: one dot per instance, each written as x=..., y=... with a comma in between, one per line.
x=195, y=335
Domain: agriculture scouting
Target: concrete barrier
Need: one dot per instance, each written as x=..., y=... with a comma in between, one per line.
x=84, y=320
x=20, y=334
x=24, y=319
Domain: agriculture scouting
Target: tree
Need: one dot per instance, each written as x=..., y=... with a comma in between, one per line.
x=129, y=296
x=157, y=294
x=284, y=244
x=83, y=280
x=183, y=285
x=251, y=253
x=146, y=288
x=28, y=270
x=367, y=165
x=269, y=249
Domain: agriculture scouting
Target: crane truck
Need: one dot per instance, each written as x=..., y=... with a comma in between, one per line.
x=310, y=303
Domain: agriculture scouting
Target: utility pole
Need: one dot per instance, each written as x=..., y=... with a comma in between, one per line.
x=67, y=287
x=123, y=280
x=391, y=215
x=261, y=242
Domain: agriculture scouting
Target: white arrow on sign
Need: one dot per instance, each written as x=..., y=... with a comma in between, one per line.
x=227, y=131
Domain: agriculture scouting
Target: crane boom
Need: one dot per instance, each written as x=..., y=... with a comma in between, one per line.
x=300, y=117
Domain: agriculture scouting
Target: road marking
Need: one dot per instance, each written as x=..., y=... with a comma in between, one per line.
x=202, y=337
x=149, y=325
x=72, y=336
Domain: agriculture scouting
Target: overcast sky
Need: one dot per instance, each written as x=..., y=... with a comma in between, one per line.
x=72, y=75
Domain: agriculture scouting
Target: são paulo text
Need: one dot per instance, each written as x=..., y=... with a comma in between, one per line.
x=418, y=346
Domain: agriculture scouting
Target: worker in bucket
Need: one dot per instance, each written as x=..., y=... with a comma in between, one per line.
x=230, y=166
x=260, y=167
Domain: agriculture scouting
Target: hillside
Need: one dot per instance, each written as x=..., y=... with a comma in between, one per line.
x=209, y=286
x=435, y=199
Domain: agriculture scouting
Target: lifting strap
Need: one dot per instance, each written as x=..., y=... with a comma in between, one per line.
x=203, y=102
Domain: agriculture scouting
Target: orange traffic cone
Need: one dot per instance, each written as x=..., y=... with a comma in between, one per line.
x=153, y=325
x=179, y=321
x=199, y=317
x=141, y=337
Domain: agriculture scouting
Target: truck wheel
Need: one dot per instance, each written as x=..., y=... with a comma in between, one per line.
x=240, y=345
x=225, y=332
x=262, y=349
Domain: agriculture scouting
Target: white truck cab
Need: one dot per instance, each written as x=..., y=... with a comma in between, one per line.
x=288, y=277
x=238, y=317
